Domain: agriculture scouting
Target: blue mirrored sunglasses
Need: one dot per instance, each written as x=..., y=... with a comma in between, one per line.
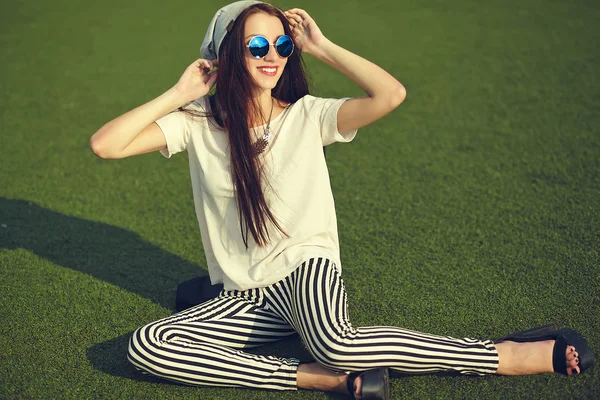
x=259, y=46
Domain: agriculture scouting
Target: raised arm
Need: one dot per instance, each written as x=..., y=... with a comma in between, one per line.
x=135, y=132
x=383, y=92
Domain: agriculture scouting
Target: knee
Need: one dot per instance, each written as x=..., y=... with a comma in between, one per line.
x=332, y=348
x=333, y=357
x=142, y=347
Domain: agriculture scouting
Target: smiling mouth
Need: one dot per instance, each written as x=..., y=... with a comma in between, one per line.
x=269, y=71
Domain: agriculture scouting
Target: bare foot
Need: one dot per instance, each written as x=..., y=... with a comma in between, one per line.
x=532, y=358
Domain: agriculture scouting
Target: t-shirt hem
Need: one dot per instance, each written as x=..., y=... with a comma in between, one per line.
x=283, y=273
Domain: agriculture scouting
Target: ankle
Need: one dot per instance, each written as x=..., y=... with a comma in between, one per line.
x=314, y=376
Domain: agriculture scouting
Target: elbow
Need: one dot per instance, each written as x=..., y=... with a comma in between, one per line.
x=100, y=149
x=97, y=148
x=397, y=95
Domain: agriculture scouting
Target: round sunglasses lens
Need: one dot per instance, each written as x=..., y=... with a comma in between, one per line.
x=259, y=46
x=285, y=46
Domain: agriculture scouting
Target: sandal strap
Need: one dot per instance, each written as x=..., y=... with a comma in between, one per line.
x=531, y=335
x=559, y=358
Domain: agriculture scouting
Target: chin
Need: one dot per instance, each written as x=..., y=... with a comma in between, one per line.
x=266, y=83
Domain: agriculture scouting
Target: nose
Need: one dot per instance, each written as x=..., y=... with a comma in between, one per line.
x=272, y=55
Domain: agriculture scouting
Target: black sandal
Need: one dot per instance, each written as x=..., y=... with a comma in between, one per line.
x=375, y=384
x=564, y=338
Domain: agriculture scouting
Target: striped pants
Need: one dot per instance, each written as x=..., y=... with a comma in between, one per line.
x=203, y=345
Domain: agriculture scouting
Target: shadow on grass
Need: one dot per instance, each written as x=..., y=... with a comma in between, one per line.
x=110, y=357
x=114, y=255
x=106, y=252
x=119, y=257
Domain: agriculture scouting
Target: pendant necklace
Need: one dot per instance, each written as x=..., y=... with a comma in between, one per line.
x=261, y=144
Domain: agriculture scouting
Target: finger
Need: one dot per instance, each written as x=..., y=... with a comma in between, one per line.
x=209, y=66
x=202, y=64
x=295, y=19
x=299, y=12
x=212, y=78
x=291, y=21
x=210, y=63
x=297, y=33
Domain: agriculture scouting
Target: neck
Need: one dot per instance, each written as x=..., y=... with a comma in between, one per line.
x=265, y=103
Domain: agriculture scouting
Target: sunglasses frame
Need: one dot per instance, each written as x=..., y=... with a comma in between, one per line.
x=271, y=44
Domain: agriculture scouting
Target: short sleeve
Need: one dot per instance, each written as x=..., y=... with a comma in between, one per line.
x=176, y=130
x=324, y=112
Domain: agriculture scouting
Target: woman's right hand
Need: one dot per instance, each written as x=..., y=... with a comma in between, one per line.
x=197, y=79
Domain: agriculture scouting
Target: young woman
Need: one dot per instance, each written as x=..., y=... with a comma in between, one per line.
x=268, y=224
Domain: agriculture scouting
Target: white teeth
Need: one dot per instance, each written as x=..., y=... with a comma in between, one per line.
x=268, y=70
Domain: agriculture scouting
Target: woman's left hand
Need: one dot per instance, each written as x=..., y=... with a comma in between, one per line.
x=307, y=35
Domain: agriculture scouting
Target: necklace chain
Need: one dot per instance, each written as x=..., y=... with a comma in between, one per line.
x=261, y=144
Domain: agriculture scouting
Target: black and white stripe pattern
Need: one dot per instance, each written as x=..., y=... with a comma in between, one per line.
x=202, y=345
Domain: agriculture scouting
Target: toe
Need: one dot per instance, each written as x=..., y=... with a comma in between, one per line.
x=572, y=358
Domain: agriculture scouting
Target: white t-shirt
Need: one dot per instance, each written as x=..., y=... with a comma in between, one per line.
x=299, y=194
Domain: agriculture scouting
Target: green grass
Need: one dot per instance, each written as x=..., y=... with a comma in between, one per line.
x=472, y=210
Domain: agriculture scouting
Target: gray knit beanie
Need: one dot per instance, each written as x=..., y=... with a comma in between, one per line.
x=219, y=27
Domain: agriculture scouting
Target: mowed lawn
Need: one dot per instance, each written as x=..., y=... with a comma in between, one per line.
x=471, y=210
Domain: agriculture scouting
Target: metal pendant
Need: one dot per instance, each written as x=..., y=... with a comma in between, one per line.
x=261, y=144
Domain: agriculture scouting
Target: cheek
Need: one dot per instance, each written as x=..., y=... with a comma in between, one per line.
x=251, y=62
x=249, y=65
x=283, y=67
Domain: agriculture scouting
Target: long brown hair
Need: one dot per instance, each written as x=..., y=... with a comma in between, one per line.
x=233, y=108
